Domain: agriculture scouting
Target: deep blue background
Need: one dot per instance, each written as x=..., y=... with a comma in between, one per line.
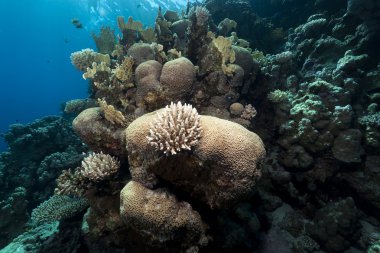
x=37, y=38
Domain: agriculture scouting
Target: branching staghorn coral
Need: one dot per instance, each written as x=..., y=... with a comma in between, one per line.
x=72, y=183
x=111, y=114
x=176, y=128
x=58, y=207
x=249, y=112
x=98, y=167
x=95, y=168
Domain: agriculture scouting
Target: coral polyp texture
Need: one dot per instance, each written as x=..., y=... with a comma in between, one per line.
x=176, y=128
x=56, y=208
x=159, y=217
x=99, y=167
x=222, y=168
x=171, y=138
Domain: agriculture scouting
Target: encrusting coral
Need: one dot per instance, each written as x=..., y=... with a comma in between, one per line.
x=176, y=128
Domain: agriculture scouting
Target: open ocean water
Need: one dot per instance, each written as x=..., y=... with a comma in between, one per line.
x=37, y=38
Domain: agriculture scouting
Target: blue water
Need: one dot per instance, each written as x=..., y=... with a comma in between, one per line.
x=37, y=38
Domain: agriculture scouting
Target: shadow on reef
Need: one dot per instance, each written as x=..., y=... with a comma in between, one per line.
x=176, y=122
x=37, y=154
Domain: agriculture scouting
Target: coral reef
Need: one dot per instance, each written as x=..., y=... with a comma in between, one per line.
x=37, y=154
x=269, y=141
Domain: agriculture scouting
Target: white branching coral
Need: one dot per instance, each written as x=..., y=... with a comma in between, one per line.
x=98, y=166
x=176, y=128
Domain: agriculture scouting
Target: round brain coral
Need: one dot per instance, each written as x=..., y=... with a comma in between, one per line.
x=177, y=78
x=176, y=128
x=221, y=170
x=98, y=133
x=148, y=85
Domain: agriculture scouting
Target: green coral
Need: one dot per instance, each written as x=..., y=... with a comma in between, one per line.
x=372, y=120
x=278, y=96
x=309, y=106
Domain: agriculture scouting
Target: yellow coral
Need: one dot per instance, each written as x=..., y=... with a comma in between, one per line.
x=174, y=54
x=224, y=46
x=91, y=72
x=111, y=114
x=124, y=71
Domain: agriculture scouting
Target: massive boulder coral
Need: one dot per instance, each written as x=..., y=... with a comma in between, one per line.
x=177, y=78
x=98, y=133
x=148, y=86
x=221, y=169
x=159, y=217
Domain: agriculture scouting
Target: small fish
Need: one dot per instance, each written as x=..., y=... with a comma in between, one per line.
x=66, y=40
x=139, y=5
x=76, y=23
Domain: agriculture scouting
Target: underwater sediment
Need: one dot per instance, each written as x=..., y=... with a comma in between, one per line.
x=219, y=130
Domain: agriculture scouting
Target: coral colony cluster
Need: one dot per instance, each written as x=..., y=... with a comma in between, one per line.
x=170, y=161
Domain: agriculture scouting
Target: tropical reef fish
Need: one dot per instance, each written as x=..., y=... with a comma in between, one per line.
x=76, y=23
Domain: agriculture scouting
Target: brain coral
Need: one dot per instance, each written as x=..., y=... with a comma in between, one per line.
x=177, y=78
x=221, y=169
x=175, y=128
x=159, y=217
x=148, y=85
x=141, y=52
x=98, y=133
